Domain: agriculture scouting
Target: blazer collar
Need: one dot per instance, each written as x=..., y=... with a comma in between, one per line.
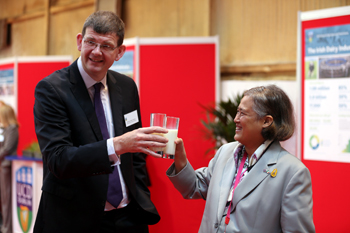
x=226, y=182
x=81, y=94
x=257, y=174
x=116, y=100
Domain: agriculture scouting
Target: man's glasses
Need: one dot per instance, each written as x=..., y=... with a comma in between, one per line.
x=103, y=47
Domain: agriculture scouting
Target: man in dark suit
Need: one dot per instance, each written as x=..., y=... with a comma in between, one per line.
x=87, y=121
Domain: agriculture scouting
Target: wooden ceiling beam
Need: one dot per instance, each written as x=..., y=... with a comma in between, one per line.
x=259, y=68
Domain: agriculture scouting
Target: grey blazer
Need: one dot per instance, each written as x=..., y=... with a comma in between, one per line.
x=261, y=203
x=9, y=145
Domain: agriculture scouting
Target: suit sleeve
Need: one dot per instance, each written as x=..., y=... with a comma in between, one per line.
x=296, y=210
x=54, y=132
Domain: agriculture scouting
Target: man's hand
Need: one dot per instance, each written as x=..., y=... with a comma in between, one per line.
x=140, y=140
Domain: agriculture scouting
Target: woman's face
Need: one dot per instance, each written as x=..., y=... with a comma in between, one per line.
x=248, y=126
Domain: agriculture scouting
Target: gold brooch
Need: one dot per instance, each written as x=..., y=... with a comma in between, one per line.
x=274, y=172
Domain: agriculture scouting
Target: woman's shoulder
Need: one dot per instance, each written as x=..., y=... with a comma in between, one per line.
x=291, y=161
x=226, y=150
x=11, y=128
x=229, y=146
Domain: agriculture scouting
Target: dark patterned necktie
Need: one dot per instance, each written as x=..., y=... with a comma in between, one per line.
x=114, y=194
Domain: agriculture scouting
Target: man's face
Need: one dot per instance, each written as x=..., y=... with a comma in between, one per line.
x=98, y=59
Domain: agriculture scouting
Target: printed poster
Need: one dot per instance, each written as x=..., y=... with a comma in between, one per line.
x=7, y=85
x=26, y=191
x=125, y=65
x=327, y=93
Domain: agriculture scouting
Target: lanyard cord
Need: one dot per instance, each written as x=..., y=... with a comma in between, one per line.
x=238, y=178
x=239, y=174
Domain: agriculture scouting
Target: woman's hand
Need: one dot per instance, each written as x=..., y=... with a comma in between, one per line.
x=180, y=159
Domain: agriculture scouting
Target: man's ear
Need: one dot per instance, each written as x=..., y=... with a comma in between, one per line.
x=121, y=51
x=268, y=120
x=79, y=41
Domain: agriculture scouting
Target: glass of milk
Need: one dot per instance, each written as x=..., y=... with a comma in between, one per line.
x=158, y=119
x=172, y=124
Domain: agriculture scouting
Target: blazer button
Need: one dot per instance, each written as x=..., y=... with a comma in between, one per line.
x=216, y=225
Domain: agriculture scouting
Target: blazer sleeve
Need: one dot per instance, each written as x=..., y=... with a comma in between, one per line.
x=296, y=208
x=193, y=184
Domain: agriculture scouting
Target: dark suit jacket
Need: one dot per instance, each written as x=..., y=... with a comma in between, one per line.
x=75, y=159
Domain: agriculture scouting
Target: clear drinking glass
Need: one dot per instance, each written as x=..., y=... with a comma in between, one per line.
x=158, y=119
x=172, y=124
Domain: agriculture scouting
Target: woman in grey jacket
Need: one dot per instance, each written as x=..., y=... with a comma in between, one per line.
x=8, y=147
x=252, y=185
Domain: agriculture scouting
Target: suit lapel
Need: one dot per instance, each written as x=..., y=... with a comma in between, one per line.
x=116, y=100
x=116, y=104
x=227, y=178
x=82, y=96
x=257, y=174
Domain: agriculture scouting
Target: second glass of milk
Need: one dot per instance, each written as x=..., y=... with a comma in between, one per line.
x=172, y=124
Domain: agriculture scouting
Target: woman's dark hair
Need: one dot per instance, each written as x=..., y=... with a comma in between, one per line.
x=272, y=100
x=104, y=22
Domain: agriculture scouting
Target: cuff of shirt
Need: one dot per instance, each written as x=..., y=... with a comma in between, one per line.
x=113, y=157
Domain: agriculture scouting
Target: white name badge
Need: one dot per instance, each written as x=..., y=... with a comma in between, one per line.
x=131, y=118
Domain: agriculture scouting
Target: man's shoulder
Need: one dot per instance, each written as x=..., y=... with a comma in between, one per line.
x=60, y=76
x=120, y=78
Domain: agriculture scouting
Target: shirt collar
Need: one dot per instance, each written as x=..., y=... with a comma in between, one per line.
x=89, y=82
x=257, y=154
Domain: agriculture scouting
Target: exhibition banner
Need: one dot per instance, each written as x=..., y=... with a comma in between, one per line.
x=125, y=65
x=7, y=84
x=326, y=89
x=27, y=178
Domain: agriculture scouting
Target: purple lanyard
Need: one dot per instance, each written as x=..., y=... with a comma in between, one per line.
x=238, y=178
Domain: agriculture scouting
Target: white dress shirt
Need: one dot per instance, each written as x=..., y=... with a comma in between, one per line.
x=89, y=83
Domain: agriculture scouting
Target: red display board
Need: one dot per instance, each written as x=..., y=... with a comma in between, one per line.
x=28, y=71
x=175, y=76
x=324, y=39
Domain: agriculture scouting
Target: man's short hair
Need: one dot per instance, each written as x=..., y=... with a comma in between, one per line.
x=105, y=22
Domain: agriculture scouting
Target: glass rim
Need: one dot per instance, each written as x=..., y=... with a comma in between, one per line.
x=173, y=117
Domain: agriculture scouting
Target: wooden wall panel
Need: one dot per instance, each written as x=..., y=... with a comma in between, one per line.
x=260, y=37
x=249, y=34
x=15, y=8
x=65, y=2
x=194, y=17
x=308, y=5
x=168, y=18
x=64, y=27
x=27, y=37
x=257, y=38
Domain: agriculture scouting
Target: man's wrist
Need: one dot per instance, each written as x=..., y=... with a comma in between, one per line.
x=113, y=156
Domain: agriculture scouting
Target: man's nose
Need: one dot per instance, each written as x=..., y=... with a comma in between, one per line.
x=97, y=48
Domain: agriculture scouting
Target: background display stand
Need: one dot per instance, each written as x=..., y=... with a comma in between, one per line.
x=175, y=76
x=27, y=179
x=324, y=131
x=18, y=78
x=26, y=72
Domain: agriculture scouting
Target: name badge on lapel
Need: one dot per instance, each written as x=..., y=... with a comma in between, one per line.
x=131, y=118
